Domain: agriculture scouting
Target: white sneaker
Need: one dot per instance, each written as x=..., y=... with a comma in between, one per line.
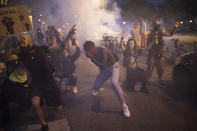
x=75, y=90
x=94, y=93
x=126, y=111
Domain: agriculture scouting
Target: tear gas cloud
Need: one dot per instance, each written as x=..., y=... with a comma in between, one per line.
x=92, y=17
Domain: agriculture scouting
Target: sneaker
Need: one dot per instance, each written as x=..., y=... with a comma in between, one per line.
x=126, y=111
x=45, y=127
x=75, y=90
x=101, y=89
x=94, y=93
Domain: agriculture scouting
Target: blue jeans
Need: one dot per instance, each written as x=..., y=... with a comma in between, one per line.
x=111, y=72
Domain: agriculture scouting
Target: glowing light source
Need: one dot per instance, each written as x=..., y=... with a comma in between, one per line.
x=190, y=21
x=181, y=22
x=40, y=14
x=43, y=22
x=39, y=20
x=124, y=22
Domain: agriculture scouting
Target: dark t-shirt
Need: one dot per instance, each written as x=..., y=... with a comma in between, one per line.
x=67, y=66
x=37, y=63
x=128, y=54
x=103, y=57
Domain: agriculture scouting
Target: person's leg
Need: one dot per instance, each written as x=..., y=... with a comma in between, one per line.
x=52, y=95
x=115, y=83
x=142, y=40
x=5, y=109
x=118, y=89
x=130, y=79
x=150, y=65
x=159, y=65
x=127, y=81
x=142, y=77
x=38, y=109
x=100, y=79
x=73, y=82
x=132, y=85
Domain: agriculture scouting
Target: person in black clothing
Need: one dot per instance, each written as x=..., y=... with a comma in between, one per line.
x=43, y=83
x=15, y=86
x=134, y=73
x=66, y=74
x=40, y=37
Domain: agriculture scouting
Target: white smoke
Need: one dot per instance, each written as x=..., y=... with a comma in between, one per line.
x=91, y=16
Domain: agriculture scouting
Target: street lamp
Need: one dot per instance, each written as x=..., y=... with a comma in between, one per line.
x=124, y=22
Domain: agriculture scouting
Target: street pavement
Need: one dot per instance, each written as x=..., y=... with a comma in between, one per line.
x=163, y=109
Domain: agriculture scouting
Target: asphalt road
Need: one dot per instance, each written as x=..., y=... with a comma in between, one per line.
x=161, y=110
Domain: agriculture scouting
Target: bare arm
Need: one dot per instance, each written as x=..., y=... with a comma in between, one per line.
x=65, y=42
x=69, y=36
x=77, y=53
x=122, y=41
x=172, y=32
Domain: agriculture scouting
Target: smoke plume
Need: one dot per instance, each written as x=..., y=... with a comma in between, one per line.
x=93, y=17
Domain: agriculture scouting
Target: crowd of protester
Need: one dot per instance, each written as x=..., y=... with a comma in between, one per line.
x=39, y=67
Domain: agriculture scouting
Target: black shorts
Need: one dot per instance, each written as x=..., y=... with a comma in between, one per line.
x=47, y=90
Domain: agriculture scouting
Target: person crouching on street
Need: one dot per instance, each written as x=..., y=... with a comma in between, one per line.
x=66, y=74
